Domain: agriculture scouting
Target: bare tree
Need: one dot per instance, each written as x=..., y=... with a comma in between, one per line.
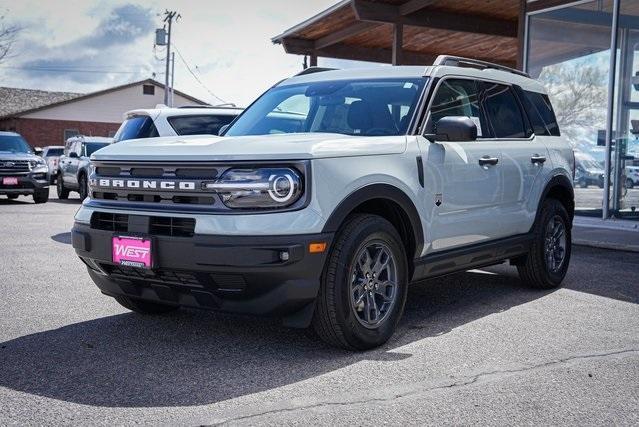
x=8, y=34
x=579, y=95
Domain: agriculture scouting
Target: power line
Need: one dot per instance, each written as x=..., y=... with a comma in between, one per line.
x=73, y=70
x=196, y=77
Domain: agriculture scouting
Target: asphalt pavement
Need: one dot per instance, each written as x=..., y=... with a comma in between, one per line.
x=475, y=347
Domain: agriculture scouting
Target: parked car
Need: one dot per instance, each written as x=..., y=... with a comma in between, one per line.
x=52, y=155
x=150, y=123
x=22, y=172
x=399, y=174
x=632, y=176
x=73, y=168
x=588, y=171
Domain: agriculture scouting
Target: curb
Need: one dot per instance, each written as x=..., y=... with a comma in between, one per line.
x=606, y=245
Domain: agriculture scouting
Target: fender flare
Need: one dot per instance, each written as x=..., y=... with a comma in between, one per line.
x=556, y=181
x=378, y=191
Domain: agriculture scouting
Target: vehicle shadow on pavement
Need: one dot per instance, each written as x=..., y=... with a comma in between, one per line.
x=195, y=358
x=62, y=238
x=7, y=202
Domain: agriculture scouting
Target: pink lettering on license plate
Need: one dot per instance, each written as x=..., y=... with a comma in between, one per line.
x=132, y=251
x=10, y=180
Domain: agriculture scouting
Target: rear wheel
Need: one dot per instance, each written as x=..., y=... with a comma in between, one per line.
x=63, y=193
x=364, y=285
x=144, y=307
x=546, y=264
x=41, y=195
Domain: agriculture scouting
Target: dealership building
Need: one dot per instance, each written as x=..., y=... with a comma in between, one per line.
x=585, y=52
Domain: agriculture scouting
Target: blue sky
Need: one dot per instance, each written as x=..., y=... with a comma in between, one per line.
x=88, y=45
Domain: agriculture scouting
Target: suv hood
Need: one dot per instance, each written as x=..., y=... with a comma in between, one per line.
x=6, y=156
x=293, y=146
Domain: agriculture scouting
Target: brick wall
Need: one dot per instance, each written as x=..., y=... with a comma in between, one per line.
x=42, y=132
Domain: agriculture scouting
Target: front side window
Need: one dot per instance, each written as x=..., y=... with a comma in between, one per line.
x=350, y=107
x=199, y=125
x=136, y=127
x=457, y=98
x=544, y=110
x=14, y=144
x=503, y=111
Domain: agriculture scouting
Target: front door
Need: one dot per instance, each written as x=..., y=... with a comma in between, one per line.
x=465, y=178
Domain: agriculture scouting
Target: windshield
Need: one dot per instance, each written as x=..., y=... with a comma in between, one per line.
x=350, y=107
x=55, y=152
x=590, y=164
x=14, y=144
x=199, y=125
x=92, y=147
x=136, y=127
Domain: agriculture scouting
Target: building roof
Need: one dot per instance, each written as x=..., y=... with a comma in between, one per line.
x=365, y=29
x=19, y=105
x=15, y=100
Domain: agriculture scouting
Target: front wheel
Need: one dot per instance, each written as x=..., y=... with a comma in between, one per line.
x=84, y=188
x=63, y=193
x=364, y=285
x=546, y=264
x=41, y=196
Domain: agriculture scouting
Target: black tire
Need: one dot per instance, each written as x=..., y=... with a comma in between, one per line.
x=583, y=183
x=534, y=270
x=12, y=196
x=83, y=188
x=41, y=196
x=63, y=193
x=629, y=183
x=335, y=319
x=144, y=307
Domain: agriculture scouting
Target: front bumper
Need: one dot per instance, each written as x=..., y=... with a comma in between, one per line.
x=27, y=184
x=243, y=274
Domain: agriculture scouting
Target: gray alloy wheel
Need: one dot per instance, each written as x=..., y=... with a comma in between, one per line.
x=373, y=284
x=555, y=244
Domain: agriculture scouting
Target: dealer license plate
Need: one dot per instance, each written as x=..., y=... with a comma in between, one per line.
x=132, y=251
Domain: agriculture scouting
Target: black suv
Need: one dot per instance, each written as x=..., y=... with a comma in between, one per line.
x=22, y=172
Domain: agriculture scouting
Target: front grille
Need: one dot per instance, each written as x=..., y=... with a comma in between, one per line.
x=7, y=167
x=156, y=225
x=153, y=172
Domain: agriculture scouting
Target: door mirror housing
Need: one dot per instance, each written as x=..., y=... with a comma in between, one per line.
x=73, y=155
x=454, y=128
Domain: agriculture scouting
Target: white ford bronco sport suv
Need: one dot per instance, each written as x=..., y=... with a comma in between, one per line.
x=331, y=193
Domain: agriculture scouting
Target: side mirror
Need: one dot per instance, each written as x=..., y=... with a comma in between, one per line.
x=37, y=151
x=454, y=128
x=73, y=155
x=223, y=129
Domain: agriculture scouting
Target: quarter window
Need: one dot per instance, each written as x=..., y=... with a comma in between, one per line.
x=503, y=112
x=199, y=125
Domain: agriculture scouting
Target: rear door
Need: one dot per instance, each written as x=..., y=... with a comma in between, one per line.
x=523, y=155
x=464, y=177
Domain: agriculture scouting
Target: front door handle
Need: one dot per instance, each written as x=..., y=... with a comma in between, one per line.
x=487, y=160
x=537, y=159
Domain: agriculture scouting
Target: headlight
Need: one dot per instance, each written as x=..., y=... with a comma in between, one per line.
x=258, y=188
x=38, y=165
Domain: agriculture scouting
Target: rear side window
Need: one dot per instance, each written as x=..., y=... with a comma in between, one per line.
x=199, y=125
x=503, y=111
x=55, y=152
x=136, y=127
x=541, y=113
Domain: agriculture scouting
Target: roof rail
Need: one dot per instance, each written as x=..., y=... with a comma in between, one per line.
x=459, y=61
x=311, y=70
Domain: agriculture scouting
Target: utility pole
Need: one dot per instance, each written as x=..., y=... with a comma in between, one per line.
x=169, y=16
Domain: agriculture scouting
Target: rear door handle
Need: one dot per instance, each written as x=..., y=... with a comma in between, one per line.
x=537, y=159
x=487, y=160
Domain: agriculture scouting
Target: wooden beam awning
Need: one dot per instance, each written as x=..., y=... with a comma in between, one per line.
x=410, y=31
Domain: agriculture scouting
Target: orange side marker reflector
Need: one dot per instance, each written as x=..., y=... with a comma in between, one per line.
x=316, y=248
